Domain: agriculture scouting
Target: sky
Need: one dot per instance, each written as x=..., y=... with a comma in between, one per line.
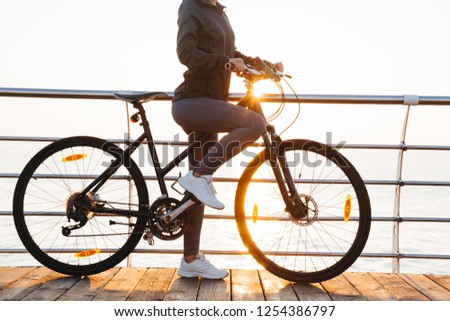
x=329, y=46
x=384, y=47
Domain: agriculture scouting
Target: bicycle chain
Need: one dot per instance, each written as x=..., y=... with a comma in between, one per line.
x=120, y=203
x=110, y=234
x=97, y=235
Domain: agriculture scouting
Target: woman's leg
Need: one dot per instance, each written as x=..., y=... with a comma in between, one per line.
x=244, y=127
x=195, y=214
x=211, y=116
x=194, y=263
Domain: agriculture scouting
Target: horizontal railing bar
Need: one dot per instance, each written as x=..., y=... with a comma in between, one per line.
x=352, y=99
x=183, y=143
x=235, y=252
x=417, y=219
x=363, y=255
x=290, y=98
x=235, y=180
x=115, y=140
x=394, y=147
x=59, y=93
x=338, y=219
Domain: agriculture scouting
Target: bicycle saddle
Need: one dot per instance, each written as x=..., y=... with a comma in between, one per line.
x=138, y=97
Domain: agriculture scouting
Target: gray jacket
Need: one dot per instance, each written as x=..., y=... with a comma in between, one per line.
x=205, y=42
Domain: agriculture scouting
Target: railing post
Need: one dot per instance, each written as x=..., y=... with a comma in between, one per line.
x=130, y=185
x=408, y=100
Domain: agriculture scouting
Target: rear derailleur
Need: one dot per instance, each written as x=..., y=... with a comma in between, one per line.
x=78, y=209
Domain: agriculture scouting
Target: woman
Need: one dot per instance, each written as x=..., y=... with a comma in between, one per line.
x=205, y=44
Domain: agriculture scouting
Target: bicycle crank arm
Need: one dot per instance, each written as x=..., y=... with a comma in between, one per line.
x=169, y=217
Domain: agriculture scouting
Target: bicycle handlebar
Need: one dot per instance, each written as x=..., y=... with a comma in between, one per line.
x=261, y=71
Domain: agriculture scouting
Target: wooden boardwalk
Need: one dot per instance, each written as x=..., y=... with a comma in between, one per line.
x=144, y=284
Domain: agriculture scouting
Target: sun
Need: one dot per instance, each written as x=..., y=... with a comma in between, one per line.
x=264, y=87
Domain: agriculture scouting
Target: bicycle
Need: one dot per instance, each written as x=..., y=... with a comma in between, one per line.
x=81, y=204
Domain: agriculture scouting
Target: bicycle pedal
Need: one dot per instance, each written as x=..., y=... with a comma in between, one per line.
x=190, y=196
x=148, y=236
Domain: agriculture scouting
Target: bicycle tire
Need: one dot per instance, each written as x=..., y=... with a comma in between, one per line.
x=43, y=193
x=325, y=243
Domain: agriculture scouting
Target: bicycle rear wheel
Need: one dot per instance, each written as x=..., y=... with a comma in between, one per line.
x=332, y=236
x=47, y=189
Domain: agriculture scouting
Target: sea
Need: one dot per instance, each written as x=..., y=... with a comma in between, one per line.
x=341, y=125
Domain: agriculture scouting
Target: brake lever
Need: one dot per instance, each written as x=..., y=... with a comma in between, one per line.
x=267, y=70
x=277, y=75
x=281, y=74
x=253, y=71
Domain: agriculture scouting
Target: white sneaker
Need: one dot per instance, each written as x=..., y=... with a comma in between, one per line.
x=201, y=267
x=202, y=188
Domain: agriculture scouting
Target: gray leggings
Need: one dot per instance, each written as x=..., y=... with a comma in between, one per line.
x=205, y=116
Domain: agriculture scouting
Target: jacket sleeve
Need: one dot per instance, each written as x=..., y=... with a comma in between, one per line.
x=250, y=60
x=187, y=43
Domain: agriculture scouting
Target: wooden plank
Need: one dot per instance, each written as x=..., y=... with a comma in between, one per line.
x=88, y=287
x=215, y=290
x=153, y=285
x=311, y=292
x=276, y=288
x=370, y=288
x=121, y=285
x=52, y=289
x=40, y=283
x=182, y=289
x=4, y=277
x=340, y=289
x=27, y=284
x=12, y=274
x=427, y=287
x=398, y=287
x=442, y=280
x=245, y=286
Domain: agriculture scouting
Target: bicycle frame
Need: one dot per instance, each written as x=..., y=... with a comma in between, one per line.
x=278, y=163
x=123, y=159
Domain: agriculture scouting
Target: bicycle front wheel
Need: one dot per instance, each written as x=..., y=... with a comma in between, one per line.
x=329, y=239
x=48, y=189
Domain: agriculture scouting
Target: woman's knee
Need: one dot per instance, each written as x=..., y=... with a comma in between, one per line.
x=258, y=125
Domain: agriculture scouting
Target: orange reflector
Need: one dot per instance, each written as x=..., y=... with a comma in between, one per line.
x=87, y=253
x=347, y=208
x=73, y=158
x=255, y=213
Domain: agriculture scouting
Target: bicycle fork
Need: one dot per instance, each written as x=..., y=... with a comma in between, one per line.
x=285, y=181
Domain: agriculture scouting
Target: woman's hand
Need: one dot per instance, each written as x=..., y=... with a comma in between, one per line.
x=279, y=66
x=238, y=64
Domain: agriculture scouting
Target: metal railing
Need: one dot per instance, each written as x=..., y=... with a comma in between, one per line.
x=399, y=183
